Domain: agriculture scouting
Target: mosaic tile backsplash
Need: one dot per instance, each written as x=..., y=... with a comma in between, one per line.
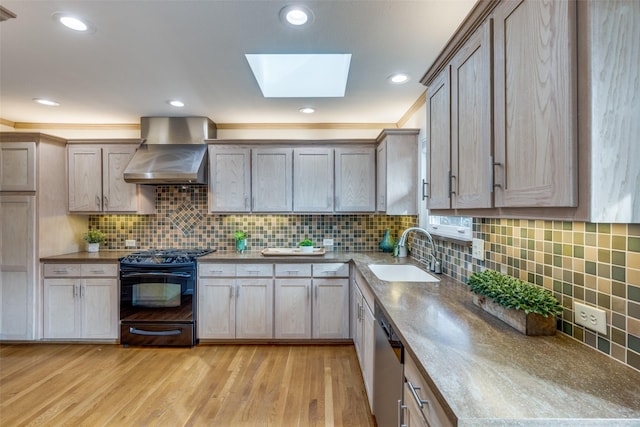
x=598, y=264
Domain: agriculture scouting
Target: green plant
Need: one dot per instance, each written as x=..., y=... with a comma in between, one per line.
x=94, y=236
x=240, y=235
x=514, y=293
x=305, y=242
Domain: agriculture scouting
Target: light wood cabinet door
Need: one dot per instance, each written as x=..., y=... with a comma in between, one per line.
x=271, y=179
x=381, y=177
x=535, y=104
x=368, y=349
x=412, y=416
x=18, y=166
x=356, y=322
x=439, y=141
x=117, y=195
x=17, y=266
x=397, y=172
x=471, y=156
x=355, y=176
x=330, y=308
x=254, y=308
x=85, y=178
x=229, y=179
x=62, y=313
x=216, y=308
x=293, y=308
x=99, y=300
x=313, y=180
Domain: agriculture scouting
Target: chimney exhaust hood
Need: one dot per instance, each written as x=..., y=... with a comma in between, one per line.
x=173, y=151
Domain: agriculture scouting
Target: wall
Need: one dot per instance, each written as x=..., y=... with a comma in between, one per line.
x=182, y=221
x=598, y=264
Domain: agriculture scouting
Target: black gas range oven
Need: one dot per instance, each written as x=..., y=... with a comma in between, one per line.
x=158, y=297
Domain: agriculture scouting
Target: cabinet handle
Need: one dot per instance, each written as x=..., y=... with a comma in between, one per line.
x=401, y=409
x=425, y=184
x=75, y=291
x=106, y=202
x=453, y=187
x=316, y=296
x=246, y=202
x=494, y=164
x=308, y=291
x=416, y=396
x=97, y=271
x=293, y=272
x=98, y=202
x=231, y=293
x=82, y=290
x=61, y=271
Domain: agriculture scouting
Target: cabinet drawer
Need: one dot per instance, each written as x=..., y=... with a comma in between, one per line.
x=432, y=410
x=331, y=270
x=62, y=270
x=293, y=270
x=216, y=270
x=99, y=270
x=254, y=270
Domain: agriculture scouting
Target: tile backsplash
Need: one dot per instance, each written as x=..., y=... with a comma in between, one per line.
x=182, y=220
x=598, y=264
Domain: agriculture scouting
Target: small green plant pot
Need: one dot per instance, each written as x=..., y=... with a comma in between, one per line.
x=241, y=245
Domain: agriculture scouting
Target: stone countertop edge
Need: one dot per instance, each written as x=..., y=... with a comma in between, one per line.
x=484, y=372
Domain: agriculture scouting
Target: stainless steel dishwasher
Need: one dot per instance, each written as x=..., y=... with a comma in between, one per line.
x=387, y=379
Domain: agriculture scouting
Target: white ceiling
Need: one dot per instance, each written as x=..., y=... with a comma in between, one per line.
x=145, y=52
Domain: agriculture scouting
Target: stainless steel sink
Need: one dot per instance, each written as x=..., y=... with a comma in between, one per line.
x=401, y=273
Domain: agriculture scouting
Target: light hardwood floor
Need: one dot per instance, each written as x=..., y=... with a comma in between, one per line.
x=208, y=385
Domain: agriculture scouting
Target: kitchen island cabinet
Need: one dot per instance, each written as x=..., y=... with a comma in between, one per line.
x=81, y=301
x=96, y=179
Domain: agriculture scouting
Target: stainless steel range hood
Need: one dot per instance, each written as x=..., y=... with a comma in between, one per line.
x=173, y=152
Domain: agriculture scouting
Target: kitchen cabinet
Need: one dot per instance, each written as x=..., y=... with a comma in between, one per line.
x=355, y=174
x=235, y=301
x=397, y=172
x=363, y=326
x=229, y=179
x=459, y=128
x=535, y=104
x=420, y=405
x=292, y=304
x=96, y=181
x=313, y=179
x=80, y=301
x=18, y=166
x=33, y=223
x=271, y=179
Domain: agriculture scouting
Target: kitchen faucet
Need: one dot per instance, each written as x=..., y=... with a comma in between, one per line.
x=435, y=264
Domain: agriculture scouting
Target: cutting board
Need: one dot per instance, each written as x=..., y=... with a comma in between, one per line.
x=291, y=252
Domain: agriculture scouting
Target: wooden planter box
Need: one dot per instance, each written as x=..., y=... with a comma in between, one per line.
x=528, y=324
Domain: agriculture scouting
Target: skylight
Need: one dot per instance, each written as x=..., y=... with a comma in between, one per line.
x=301, y=75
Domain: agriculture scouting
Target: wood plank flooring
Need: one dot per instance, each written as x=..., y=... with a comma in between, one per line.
x=208, y=385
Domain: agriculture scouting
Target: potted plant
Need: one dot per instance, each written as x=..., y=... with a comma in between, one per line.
x=241, y=240
x=528, y=308
x=306, y=245
x=94, y=238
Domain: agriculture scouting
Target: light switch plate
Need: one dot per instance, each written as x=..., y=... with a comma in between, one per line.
x=478, y=249
x=129, y=243
x=590, y=317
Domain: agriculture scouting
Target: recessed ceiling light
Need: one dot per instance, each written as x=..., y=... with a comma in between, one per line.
x=73, y=22
x=398, y=78
x=176, y=103
x=307, y=110
x=296, y=15
x=47, y=102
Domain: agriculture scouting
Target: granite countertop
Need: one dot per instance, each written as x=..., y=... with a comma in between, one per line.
x=484, y=372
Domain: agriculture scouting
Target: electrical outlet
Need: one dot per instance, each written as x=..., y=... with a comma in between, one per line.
x=590, y=317
x=327, y=242
x=478, y=249
x=129, y=243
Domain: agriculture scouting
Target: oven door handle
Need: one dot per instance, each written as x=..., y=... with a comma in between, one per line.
x=155, y=274
x=155, y=333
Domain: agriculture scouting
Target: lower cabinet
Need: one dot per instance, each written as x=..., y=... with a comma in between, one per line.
x=420, y=406
x=282, y=301
x=363, y=325
x=79, y=306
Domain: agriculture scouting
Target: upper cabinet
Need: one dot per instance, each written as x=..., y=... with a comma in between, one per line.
x=313, y=179
x=18, y=166
x=397, y=172
x=96, y=182
x=535, y=104
x=355, y=179
x=271, y=175
x=509, y=81
x=229, y=179
x=276, y=176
